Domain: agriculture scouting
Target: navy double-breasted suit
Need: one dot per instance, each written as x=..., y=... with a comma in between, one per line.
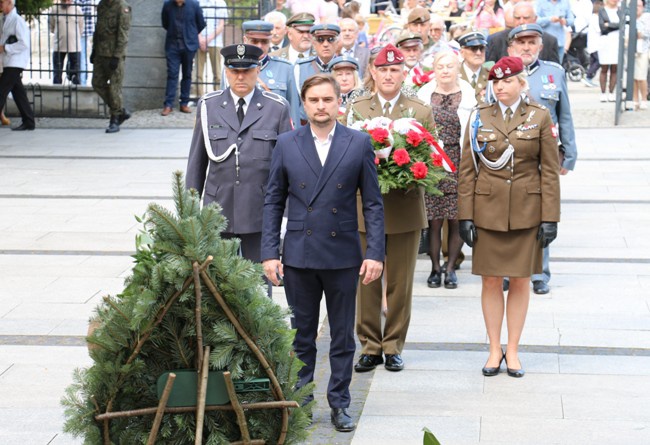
x=322, y=248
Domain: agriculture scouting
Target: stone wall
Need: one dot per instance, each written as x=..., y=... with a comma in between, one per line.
x=146, y=69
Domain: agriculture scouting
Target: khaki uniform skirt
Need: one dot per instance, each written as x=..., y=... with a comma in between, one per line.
x=516, y=253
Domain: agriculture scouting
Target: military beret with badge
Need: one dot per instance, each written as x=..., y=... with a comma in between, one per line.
x=506, y=67
x=389, y=55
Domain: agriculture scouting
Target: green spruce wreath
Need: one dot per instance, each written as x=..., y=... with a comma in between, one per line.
x=143, y=332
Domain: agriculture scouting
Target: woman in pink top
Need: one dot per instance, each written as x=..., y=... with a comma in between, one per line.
x=490, y=15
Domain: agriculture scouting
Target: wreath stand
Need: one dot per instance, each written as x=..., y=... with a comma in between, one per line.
x=202, y=357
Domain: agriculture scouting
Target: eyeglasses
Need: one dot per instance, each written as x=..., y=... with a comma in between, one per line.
x=323, y=39
x=476, y=49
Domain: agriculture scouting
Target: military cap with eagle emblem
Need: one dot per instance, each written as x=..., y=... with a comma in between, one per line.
x=241, y=56
x=506, y=67
x=389, y=55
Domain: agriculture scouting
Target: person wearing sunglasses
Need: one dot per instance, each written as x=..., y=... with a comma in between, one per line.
x=472, y=50
x=325, y=38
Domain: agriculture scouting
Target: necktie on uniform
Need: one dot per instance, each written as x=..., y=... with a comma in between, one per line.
x=240, y=109
x=301, y=55
x=275, y=48
x=386, y=108
x=474, y=80
x=508, y=115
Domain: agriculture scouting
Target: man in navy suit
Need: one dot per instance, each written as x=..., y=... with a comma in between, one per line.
x=317, y=171
x=183, y=20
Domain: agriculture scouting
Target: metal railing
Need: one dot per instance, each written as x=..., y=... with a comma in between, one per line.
x=61, y=43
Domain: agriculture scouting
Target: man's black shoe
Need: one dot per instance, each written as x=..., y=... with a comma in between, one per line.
x=394, y=362
x=368, y=362
x=24, y=127
x=342, y=420
x=113, y=126
x=123, y=116
x=540, y=288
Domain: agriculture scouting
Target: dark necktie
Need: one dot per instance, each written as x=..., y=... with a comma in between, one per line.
x=386, y=108
x=301, y=55
x=275, y=48
x=240, y=110
x=474, y=80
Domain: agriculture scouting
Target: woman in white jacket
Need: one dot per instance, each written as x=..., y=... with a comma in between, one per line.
x=452, y=100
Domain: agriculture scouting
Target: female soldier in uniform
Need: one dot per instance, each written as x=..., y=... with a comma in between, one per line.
x=509, y=203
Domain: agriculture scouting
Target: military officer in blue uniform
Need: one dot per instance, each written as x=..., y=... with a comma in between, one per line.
x=325, y=37
x=276, y=74
x=230, y=154
x=547, y=86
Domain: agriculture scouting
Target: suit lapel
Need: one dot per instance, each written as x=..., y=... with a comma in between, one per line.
x=400, y=109
x=229, y=111
x=338, y=148
x=497, y=120
x=519, y=116
x=307, y=148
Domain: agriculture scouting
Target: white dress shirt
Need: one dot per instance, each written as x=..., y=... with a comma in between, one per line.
x=247, y=99
x=513, y=107
x=323, y=147
x=392, y=102
x=15, y=55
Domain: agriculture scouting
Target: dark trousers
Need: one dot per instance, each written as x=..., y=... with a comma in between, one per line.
x=178, y=58
x=594, y=64
x=11, y=82
x=72, y=67
x=304, y=289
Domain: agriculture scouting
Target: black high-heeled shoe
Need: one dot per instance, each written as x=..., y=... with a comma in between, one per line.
x=491, y=372
x=451, y=281
x=434, y=279
x=516, y=373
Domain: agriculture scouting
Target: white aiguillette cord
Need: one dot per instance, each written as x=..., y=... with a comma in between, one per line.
x=206, y=139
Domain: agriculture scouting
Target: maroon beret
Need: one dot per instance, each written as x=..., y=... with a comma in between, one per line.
x=506, y=67
x=389, y=55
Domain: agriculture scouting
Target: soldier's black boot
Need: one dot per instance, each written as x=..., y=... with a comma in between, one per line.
x=124, y=115
x=114, y=125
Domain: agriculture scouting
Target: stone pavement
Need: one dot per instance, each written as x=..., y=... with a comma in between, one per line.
x=68, y=199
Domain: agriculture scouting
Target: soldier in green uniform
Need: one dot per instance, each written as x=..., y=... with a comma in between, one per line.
x=404, y=219
x=109, y=51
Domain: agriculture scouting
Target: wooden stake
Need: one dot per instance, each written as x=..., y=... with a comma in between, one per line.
x=197, y=315
x=275, y=385
x=189, y=409
x=234, y=401
x=200, y=405
x=161, y=408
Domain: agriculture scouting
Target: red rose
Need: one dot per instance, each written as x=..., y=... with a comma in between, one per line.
x=414, y=138
x=379, y=134
x=436, y=159
x=401, y=157
x=376, y=160
x=419, y=170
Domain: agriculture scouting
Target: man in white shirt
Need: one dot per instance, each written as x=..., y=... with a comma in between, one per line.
x=14, y=50
x=349, y=47
x=279, y=35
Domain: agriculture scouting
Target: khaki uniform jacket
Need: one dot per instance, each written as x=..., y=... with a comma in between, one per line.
x=481, y=82
x=404, y=210
x=523, y=193
x=67, y=25
x=283, y=53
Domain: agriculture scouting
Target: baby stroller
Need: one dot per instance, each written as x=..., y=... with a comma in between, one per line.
x=576, y=59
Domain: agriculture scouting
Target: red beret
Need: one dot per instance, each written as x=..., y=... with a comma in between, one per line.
x=506, y=67
x=389, y=55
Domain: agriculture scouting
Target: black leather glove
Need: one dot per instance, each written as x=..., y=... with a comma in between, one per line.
x=547, y=233
x=467, y=231
x=113, y=63
x=92, y=57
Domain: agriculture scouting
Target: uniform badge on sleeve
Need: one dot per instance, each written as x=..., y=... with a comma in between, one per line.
x=554, y=131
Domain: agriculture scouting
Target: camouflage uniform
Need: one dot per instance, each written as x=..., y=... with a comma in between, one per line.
x=111, y=36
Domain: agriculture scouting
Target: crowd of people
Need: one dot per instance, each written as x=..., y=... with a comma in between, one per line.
x=276, y=136
x=272, y=146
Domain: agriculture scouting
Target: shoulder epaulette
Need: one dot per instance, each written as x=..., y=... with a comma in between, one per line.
x=361, y=99
x=212, y=94
x=553, y=64
x=537, y=104
x=280, y=59
x=417, y=100
x=484, y=105
x=305, y=60
x=273, y=96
